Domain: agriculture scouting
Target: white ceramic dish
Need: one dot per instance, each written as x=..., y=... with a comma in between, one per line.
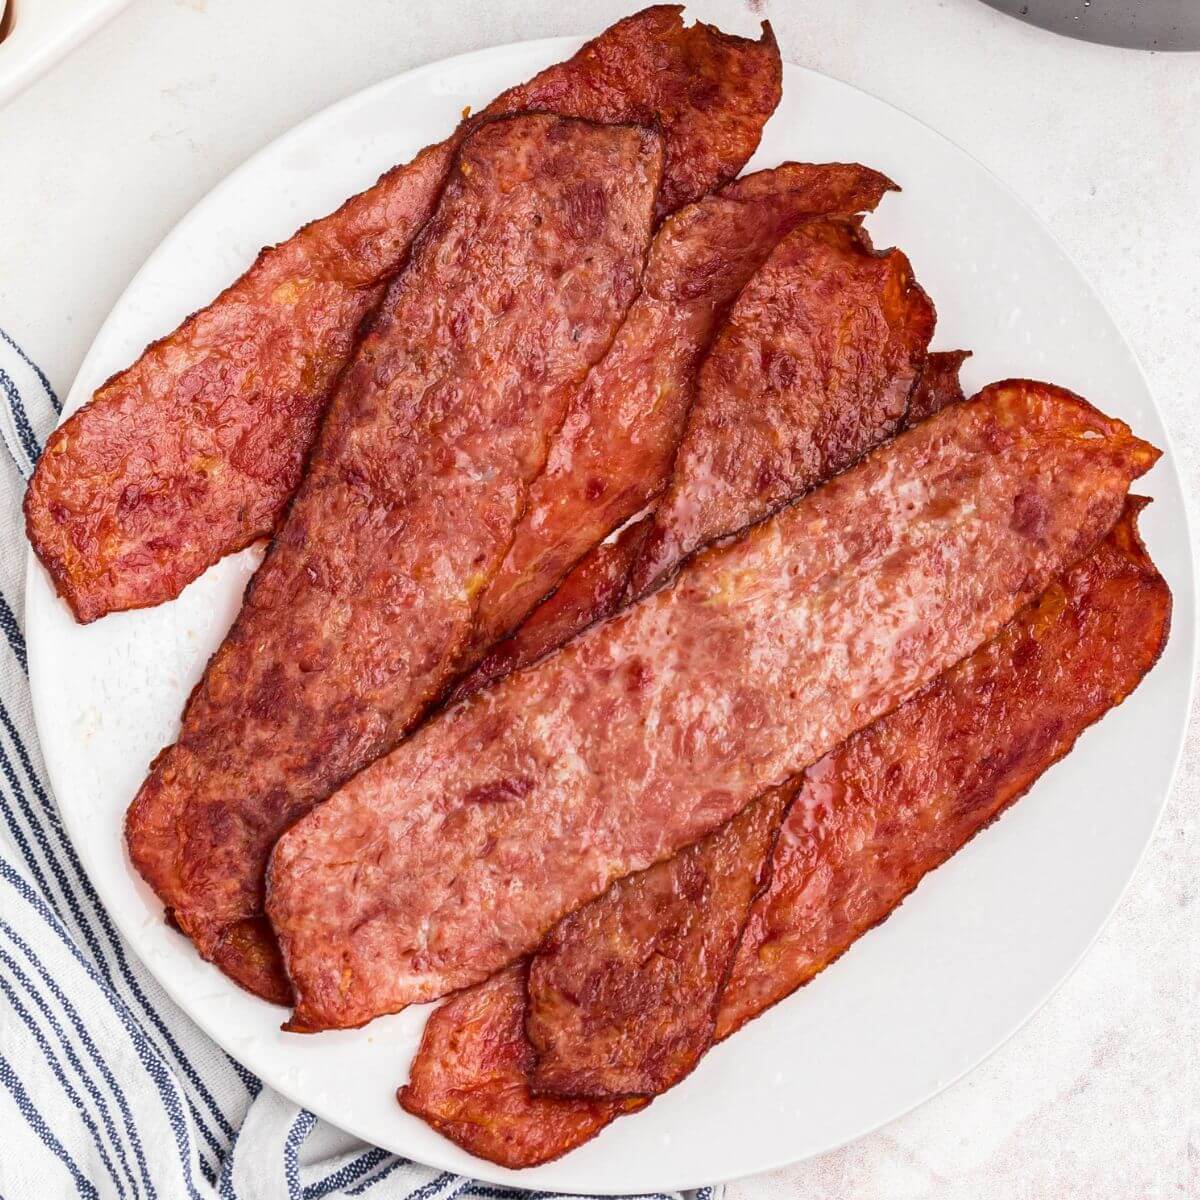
x=40, y=32
x=922, y=999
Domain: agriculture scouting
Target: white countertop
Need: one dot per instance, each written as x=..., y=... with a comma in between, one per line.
x=1099, y=1095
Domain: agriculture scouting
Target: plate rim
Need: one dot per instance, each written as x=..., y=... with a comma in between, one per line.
x=486, y=1170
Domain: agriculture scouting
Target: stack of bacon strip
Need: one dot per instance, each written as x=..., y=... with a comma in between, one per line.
x=362, y=612
x=195, y=450
x=844, y=619
x=721, y=240
x=879, y=813
x=456, y=853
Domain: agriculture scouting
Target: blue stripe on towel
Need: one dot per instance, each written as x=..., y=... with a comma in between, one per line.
x=81, y=1031
x=344, y=1176
x=27, y=1109
x=51, y=394
x=52, y=1061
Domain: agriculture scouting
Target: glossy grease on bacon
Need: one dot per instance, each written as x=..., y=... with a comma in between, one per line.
x=864, y=840
x=194, y=451
x=623, y=993
x=357, y=617
x=617, y=444
x=468, y=1081
x=457, y=853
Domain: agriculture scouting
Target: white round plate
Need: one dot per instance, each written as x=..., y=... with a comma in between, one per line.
x=922, y=999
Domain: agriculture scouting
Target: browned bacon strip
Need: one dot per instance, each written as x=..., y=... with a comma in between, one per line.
x=950, y=761
x=456, y=853
x=623, y=993
x=827, y=340
x=362, y=607
x=194, y=450
x=468, y=1081
x=616, y=447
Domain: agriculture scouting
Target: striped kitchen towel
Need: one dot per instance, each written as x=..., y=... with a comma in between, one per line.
x=106, y=1088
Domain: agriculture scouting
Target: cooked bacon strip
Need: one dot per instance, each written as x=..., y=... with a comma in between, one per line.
x=623, y=993
x=938, y=386
x=949, y=762
x=837, y=333
x=468, y=1081
x=360, y=610
x=457, y=853
x=616, y=447
x=193, y=451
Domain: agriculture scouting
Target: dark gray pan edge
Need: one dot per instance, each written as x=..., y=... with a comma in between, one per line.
x=1138, y=24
